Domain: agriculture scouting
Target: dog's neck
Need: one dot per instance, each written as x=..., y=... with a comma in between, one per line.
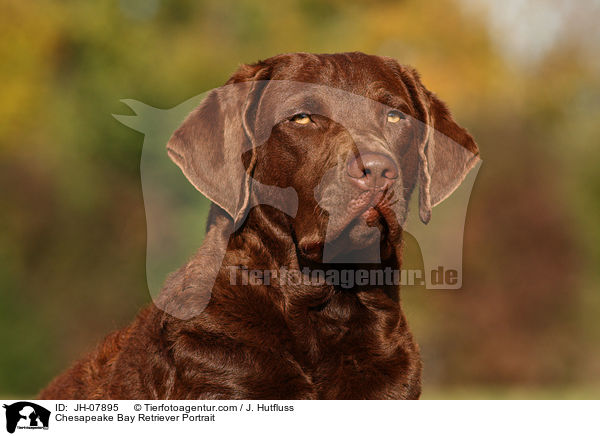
x=263, y=246
x=309, y=323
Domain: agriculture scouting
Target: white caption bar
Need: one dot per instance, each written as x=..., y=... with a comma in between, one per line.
x=301, y=417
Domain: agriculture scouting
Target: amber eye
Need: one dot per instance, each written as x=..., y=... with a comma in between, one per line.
x=395, y=116
x=302, y=118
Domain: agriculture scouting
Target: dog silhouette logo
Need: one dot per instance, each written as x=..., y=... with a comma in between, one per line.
x=26, y=415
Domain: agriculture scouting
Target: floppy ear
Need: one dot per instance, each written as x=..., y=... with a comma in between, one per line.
x=209, y=145
x=446, y=157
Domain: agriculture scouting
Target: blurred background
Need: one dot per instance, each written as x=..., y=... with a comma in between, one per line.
x=522, y=76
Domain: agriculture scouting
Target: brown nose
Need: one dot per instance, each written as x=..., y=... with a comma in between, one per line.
x=372, y=171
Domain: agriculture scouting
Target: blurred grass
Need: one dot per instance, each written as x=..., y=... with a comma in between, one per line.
x=513, y=393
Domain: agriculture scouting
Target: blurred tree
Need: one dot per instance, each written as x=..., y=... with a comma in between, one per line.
x=72, y=243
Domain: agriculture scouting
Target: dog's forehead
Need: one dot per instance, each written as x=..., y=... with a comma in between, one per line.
x=374, y=77
x=317, y=96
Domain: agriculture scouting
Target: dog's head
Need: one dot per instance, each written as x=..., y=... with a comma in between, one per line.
x=352, y=134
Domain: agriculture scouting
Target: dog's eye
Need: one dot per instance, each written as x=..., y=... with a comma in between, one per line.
x=395, y=116
x=301, y=118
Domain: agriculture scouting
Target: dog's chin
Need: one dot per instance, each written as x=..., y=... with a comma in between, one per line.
x=367, y=229
x=367, y=238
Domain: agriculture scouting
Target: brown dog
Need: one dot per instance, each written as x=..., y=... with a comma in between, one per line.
x=353, y=165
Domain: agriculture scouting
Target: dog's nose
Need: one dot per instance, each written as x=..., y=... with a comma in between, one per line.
x=372, y=171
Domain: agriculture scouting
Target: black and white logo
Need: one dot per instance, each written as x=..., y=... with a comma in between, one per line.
x=26, y=415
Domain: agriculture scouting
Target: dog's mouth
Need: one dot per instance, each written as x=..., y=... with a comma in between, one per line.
x=373, y=209
x=355, y=227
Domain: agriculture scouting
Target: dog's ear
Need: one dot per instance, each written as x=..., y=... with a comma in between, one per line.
x=209, y=144
x=446, y=157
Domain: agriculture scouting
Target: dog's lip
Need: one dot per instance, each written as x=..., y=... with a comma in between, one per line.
x=371, y=215
x=362, y=206
x=384, y=212
x=365, y=200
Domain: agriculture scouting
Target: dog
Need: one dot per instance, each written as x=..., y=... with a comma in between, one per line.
x=354, y=136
